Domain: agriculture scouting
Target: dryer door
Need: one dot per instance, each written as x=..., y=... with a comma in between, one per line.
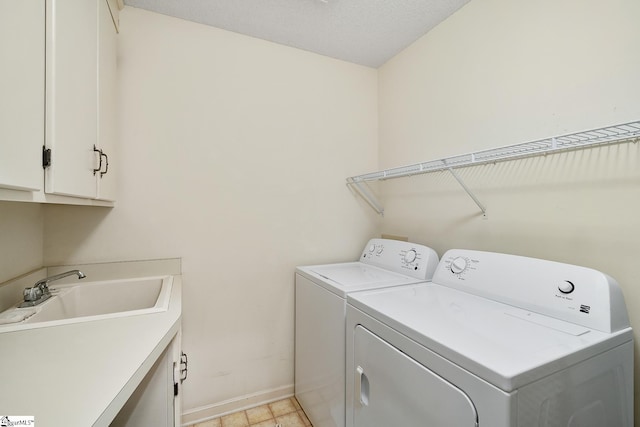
x=391, y=389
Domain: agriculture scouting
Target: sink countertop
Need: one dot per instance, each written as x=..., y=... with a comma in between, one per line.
x=82, y=374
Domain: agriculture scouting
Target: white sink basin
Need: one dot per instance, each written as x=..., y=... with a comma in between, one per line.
x=88, y=301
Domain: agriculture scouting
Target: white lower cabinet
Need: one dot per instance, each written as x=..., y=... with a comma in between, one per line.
x=157, y=400
x=22, y=49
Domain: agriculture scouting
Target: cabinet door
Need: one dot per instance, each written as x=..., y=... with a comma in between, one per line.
x=71, y=96
x=154, y=403
x=179, y=374
x=106, y=178
x=392, y=389
x=21, y=93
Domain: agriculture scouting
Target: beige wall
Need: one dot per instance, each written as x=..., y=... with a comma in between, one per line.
x=501, y=72
x=21, y=239
x=233, y=156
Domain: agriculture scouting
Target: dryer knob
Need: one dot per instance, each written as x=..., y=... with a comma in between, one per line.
x=566, y=287
x=410, y=256
x=458, y=265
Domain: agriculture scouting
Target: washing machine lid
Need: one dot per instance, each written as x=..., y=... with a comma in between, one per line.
x=353, y=276
x=502, y=344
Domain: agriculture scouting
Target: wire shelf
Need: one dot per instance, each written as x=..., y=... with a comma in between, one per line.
x=626, y=132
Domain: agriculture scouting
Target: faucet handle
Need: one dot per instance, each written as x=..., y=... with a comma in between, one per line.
x=43, y=286
x=32, y=294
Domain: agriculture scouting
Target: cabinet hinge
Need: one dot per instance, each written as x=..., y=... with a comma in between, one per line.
x=180, y=369
x=46, y=157
x=184, y=366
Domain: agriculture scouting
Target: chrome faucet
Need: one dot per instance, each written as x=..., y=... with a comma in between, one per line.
x=39, y=292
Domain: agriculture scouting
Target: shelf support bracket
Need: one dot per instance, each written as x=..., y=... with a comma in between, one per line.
x=466, y=189
x=367, y=195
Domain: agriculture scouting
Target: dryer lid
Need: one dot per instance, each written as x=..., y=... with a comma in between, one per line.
x=502, y=344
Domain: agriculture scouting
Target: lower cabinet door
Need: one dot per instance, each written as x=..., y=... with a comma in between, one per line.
x=392, y=389
x=154, y=403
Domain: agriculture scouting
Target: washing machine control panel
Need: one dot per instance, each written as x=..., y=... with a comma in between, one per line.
x=568, y=292
x=407, y=258
x=410, y=256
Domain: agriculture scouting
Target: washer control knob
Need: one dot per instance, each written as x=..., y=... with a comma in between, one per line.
x=458, y=265
x=380, y=249
x=410, y=255
x=372, y=248
x=566, y=287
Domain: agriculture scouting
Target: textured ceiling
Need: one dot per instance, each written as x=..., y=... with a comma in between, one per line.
x=366, y=32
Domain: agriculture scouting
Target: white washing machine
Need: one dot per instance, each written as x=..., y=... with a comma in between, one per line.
x=321, y=292
x=494, y=341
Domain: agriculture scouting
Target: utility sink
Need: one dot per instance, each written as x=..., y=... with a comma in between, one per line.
x=88, y=301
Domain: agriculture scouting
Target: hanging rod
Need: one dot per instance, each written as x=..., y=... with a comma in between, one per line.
x=627, y=132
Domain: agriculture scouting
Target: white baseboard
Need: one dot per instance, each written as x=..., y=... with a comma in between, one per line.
x=215, y=410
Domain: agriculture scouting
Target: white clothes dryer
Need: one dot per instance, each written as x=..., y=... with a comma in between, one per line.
x=493, y=341
x=321, y=293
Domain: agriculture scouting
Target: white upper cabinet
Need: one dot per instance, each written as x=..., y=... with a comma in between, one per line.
x=107, y=131
x=22, y=53
x=57, y=101
x=72, y=97
x=80, y=104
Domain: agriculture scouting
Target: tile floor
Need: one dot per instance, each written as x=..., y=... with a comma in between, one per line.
x=282, y=413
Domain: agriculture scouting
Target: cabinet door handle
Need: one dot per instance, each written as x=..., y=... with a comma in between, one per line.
x=99, y=168
x=106, y=159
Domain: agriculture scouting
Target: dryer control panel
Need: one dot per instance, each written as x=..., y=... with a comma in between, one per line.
x=563, y=291
x=410, y=259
